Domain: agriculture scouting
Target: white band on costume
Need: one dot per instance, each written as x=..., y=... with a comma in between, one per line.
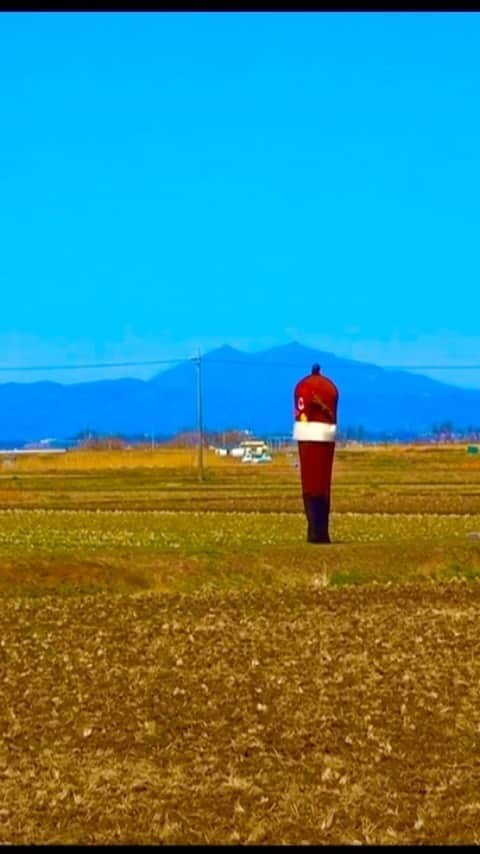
x=314, y=431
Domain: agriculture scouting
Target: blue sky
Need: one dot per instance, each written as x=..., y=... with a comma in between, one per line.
x=175, y=181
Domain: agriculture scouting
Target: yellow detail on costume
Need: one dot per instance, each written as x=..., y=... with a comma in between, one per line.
x=303, y=417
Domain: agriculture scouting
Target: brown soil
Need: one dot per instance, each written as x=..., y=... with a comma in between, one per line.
x=301, y=715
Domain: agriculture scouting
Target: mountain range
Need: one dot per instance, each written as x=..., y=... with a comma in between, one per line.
x=238, y=391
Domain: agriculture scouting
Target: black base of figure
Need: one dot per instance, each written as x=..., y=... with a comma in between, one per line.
x=317, y=509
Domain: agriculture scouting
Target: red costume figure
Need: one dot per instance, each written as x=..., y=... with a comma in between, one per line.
x=316, y=399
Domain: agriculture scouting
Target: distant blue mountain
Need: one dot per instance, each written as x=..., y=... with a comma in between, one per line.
x=239, y=390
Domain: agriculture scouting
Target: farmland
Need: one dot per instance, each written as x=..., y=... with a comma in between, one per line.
x=179, y=666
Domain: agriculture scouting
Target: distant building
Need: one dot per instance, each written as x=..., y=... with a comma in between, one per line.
x=252, y=451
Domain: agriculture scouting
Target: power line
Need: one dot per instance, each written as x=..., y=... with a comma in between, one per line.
x=430, y=367
x=92, y=365
x=370, y=364
x=246, y=363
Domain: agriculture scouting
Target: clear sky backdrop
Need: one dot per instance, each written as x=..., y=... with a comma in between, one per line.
x=175, y=181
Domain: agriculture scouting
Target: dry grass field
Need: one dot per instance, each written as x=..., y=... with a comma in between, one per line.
x=179, y=666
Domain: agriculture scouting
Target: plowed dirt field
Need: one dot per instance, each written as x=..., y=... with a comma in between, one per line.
x=304, y=715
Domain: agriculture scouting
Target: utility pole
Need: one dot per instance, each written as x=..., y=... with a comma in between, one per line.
x=198, y=363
